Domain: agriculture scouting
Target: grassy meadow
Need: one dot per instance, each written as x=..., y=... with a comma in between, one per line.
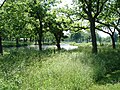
x=28, y=69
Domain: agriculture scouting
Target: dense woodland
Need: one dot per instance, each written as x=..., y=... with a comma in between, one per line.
x=94, y=65
x=33, y=19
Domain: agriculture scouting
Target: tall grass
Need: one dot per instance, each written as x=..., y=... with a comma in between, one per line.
x=25, y=69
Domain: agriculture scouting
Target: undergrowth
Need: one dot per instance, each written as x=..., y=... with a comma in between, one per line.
x=26, y=69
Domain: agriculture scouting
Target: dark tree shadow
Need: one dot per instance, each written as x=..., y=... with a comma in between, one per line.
x=106, y=64
x=111, y=78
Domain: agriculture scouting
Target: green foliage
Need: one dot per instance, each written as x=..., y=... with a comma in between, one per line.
x=48, y=38
x=58, y=70
x=14, y=20
x=13, y=43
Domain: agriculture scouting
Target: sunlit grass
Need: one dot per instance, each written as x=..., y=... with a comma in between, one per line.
x=37, y=70
x=106, y=87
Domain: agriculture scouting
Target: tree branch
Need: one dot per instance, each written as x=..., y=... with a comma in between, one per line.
x=3, y=3
x=81, y=27
x=103, y=31
x=102, y=23
x=107, y=25
x=99, y=9
x=86, y=3
x=116, y=26
x=98, y=3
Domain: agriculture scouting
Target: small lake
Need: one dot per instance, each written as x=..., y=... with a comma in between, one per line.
x=64, y=46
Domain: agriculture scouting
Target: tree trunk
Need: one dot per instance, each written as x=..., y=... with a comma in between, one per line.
x=92, y=29
x=113, y=41
x=1, y=48
x=119, y=36
x=58, y=45
x=35, y=41
x=40, y=37
x=17, y=42
x=23, y=39
x=40, y=30
x=58, y=42
x=30, y=39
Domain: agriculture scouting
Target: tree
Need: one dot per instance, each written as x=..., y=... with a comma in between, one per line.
x=115, y=11
x=57, y=23
x=15, y=14
x=109, y=19
x=76, y=37
x=108, y=30
x=90, y=10
x=115, y=15
x=48, y=37
x=38, y=10
x=55, y=28
x=1, y=49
